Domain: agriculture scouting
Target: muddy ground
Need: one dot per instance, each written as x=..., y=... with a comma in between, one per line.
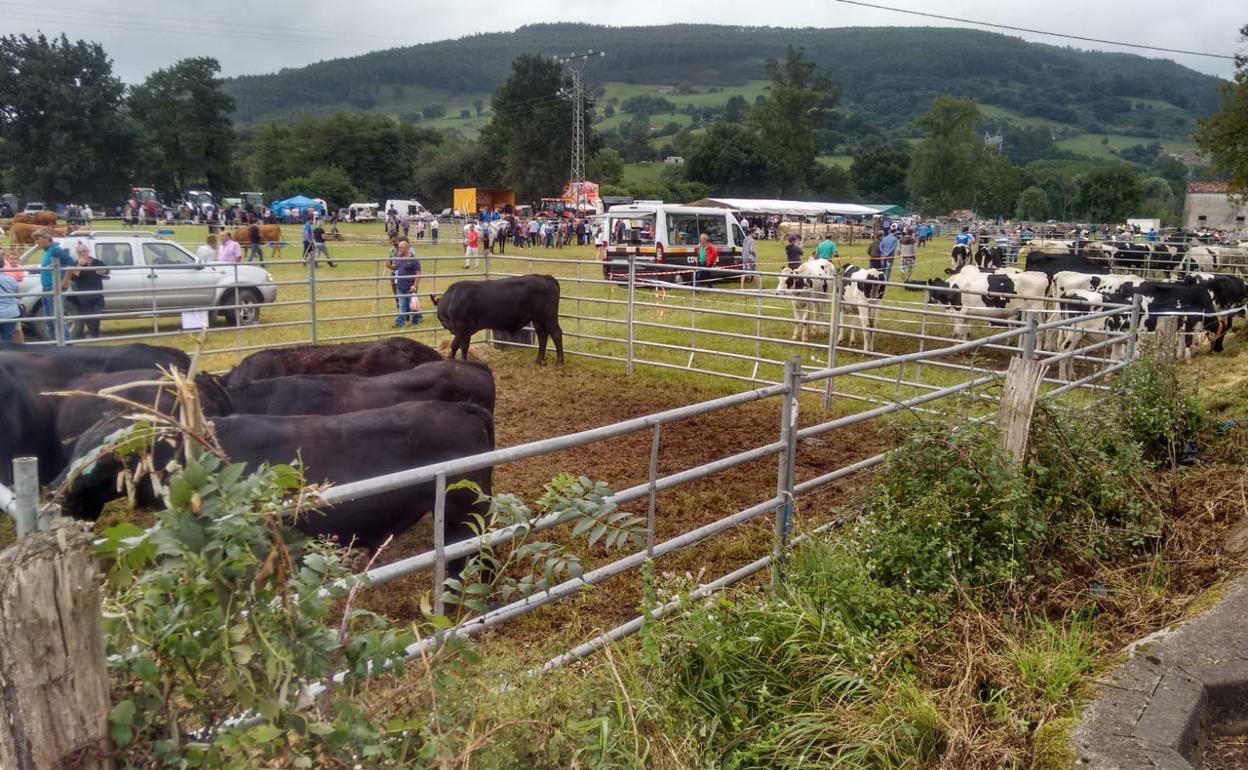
x=536, y=402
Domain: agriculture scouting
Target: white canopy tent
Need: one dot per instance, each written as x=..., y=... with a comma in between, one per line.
x=781, y=207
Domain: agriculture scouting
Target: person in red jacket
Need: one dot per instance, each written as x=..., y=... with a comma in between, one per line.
x=707, y=257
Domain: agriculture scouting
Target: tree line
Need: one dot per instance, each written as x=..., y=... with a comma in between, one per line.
x=70, y=130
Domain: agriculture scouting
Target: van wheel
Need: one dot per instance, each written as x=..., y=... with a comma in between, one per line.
x=247, y=312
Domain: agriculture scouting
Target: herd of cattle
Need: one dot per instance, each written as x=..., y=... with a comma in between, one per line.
x=1071, y=281
x=348, y=412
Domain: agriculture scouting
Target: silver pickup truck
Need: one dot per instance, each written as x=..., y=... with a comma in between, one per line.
x=149, y=273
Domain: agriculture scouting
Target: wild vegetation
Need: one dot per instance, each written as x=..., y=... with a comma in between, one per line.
x=954, y=620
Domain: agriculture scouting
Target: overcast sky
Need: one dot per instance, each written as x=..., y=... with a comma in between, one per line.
x=267, y=36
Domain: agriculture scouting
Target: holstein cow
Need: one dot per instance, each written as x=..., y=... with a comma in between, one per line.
x=1188, y=300
x=337, y=449
x=1230, y=298
x=39, y=218
x=958, y=257
x=1052, y=262
x=28, y=418
x=865, y=298
x=450, y=381
x=1073, y=307
x=985, y=295
x=989, y=257
x=809, y=285
x=507, y=305
x=366, y=359
x=1208, y=258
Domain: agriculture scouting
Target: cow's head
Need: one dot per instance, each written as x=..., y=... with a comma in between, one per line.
x=942, y=292
x=792, y=282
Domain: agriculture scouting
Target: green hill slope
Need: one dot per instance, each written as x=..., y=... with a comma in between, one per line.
x=888, y=74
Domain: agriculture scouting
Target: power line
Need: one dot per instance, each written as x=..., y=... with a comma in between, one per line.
x=1036, y=31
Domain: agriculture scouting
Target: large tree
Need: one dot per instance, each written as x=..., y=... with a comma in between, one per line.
x=1109, y=194
x=797, y=99
x=1224, y=135
x=944, y=167
x=733, y=160
x=183, y=118
x=530, y=130
x=62, y=134
x=879, y=172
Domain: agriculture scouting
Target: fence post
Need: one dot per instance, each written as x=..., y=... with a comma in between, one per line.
x=489, y=333
x=311, y=258
x=58, y=303
x=26, y=494
x=1133, y=333
x=834, y=333
x=439, y=544
x=1018, y=402
x=1029, y=337
x=632, y=291
x=784, y=476
x=55, y=703
x=653, y=490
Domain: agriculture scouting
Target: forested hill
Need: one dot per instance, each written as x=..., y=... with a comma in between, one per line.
x=885, y=72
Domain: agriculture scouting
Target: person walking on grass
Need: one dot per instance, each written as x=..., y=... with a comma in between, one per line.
x=253, y=235
x=749, y=256
x=909, y=248
x=888, y=252
x=319, y=246
x=793, y=252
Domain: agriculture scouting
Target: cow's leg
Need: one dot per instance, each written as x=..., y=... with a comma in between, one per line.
x=542, y=335
x=798, y=322
x=462, y=341
x=556, y=334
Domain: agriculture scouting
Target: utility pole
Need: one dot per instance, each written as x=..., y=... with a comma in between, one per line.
x=576, y=64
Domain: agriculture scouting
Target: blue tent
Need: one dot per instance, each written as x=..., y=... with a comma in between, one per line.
x=299, y=203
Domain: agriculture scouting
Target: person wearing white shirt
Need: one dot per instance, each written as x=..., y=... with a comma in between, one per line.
x=207, y=252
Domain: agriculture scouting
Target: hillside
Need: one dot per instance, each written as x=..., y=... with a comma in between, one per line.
x=887, y=75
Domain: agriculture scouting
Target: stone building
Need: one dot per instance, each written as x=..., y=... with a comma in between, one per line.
x=1208, y=206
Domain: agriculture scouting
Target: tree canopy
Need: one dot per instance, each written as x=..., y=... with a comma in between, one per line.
x=1224, y=135
x=944, y=167
x=797, y=98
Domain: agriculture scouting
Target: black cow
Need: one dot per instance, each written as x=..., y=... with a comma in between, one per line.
x=28, y=418
x=466, y=381
x=1228, y=294
x=1050, y=263
x=504, y=305
x=367, y=359
x=989, y=257
x=75, y=415
x=337, y=449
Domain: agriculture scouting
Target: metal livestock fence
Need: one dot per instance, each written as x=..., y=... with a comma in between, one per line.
x=731, y=333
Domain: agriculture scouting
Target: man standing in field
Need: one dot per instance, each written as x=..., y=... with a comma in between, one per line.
x=472, y=243
x=793, y=252
x=319, y=246
x=888, y=252
x=230, y=251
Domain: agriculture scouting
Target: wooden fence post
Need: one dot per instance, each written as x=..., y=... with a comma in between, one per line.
x=1168, y=342
x=54, y=698
x=1018, y=401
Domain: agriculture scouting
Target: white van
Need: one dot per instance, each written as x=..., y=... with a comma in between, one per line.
x=663, y=240
x=412, y=208
x=364, y=212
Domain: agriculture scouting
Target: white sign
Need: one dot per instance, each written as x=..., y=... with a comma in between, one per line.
x=195, y=319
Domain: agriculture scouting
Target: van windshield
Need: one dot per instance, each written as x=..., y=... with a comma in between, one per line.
x=685, y=229
x=631, y=230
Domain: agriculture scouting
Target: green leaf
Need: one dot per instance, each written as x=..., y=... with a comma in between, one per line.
x=265, y=733
x=243, y=653
x=598, y=532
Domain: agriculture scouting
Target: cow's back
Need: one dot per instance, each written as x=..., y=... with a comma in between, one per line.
x=366, y=359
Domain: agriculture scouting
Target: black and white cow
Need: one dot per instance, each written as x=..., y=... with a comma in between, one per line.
x=973, y=293
x=864, y=298
x=989, y=257
x=809, y=285
x=958, y=257
x=1230, y=299
x=1187, y=300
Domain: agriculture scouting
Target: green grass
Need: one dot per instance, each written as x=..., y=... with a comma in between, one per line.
x=1092, y=146
x=642, y=172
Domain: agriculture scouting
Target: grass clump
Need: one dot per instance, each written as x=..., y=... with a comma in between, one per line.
x=1160, y=414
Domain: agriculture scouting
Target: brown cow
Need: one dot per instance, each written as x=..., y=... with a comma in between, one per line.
x=268, y=233
x=35, y=218
x=22, y=232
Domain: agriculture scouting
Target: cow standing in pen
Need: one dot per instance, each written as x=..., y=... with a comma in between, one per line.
x=505, y=305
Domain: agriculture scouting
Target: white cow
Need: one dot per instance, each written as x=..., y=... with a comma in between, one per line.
x=808, y=284
x=862, y=298
x=986, y=295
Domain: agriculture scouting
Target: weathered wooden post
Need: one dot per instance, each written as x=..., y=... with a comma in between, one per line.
x=54, y=699
x=1018, y=402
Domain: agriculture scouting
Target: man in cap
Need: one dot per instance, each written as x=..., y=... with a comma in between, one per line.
x=52, y=256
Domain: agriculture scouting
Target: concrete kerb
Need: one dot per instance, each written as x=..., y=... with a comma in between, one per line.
x=1178, y=687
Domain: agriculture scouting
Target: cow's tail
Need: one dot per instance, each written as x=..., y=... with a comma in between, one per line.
x=433, y=298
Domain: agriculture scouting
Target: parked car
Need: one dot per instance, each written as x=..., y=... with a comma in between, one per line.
x=148, y=272
x=34, y=206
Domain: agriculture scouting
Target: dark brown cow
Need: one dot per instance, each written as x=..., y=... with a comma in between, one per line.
x=367, y=359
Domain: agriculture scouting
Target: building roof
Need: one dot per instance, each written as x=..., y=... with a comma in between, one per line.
x=1207, y=187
